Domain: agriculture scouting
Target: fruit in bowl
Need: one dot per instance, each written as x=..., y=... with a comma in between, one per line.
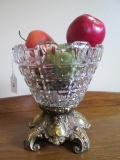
x=86, y=28
x=35, y=37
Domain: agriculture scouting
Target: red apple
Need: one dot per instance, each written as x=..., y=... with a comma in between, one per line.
x=86, y=28
x=37, y=36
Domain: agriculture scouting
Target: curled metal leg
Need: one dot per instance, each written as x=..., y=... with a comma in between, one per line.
x=81, y=140
x=37, y=132
x=30, y=142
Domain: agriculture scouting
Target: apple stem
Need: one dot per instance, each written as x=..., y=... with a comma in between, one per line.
x=21, y=36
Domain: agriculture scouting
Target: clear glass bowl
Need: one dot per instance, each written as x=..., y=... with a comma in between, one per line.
x=58, y=75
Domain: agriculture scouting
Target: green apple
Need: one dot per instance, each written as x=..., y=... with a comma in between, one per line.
x=63, y=60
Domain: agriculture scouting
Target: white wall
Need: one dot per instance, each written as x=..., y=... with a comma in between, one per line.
x=54, y=16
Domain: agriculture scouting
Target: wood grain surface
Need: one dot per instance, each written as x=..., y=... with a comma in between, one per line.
x=101, y=109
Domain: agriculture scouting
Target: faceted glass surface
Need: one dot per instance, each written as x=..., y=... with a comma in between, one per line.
x=58, y=75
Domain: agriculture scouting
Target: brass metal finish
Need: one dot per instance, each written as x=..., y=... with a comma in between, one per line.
x=57, y=129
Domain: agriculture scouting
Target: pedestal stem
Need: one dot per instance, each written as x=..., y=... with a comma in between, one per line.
x=57, y=129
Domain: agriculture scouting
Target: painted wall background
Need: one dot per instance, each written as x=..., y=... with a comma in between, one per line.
x=54, y=17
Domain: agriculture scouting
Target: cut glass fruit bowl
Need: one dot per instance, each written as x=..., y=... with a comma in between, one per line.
x=58, y=77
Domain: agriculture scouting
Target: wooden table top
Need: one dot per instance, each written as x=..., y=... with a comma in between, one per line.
x=101, y=109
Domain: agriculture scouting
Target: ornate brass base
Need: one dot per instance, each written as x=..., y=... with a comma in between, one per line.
x=58, y=129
